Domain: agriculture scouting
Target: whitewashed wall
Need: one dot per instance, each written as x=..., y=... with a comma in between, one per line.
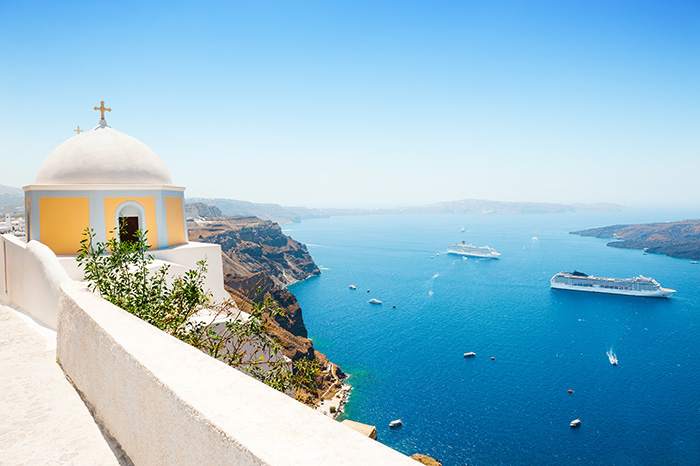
x=30, y=275
x=188, y=254
x=181, y=258
x=167, y=403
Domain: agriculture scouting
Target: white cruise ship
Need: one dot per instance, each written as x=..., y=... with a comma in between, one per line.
x=638, y=286
x=473, y=251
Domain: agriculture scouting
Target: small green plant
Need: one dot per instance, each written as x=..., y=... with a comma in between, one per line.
x=119, y=271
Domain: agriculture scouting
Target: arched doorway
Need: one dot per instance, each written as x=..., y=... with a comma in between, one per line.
x=129, y=218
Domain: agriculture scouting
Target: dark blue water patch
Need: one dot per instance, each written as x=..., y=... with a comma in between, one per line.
x=407, y=362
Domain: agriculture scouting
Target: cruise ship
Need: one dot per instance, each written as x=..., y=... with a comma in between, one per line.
x=473, y=251
x=637, y=286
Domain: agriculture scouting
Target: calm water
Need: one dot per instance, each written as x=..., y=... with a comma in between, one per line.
x=407, y=362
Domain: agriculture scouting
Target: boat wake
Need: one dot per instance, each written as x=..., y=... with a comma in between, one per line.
x=612, y=357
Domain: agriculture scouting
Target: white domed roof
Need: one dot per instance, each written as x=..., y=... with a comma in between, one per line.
x=103, y=155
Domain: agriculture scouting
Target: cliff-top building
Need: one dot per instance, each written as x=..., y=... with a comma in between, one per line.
x=93, y=179
x=114, y=184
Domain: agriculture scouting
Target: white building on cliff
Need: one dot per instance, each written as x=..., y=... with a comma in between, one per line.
x=93, y=179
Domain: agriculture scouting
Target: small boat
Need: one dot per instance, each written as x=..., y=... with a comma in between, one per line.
x=396, y=423
x=374, y=301
x=353, y=287
x=612, y=357
x=693, y=262
x=470, y=354
x=575, y=423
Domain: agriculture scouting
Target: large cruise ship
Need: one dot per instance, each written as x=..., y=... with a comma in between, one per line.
x=473, y=251
x=637, y=286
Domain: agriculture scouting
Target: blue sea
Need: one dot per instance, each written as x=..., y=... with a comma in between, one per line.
x=407, y=362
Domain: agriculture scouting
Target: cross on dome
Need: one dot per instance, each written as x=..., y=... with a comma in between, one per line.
x=78, y=130
x=102, y=110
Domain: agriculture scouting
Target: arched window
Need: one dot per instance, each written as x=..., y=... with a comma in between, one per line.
x=129, y=218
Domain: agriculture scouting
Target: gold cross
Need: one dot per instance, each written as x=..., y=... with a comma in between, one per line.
x=79, y=130
x=102, y=109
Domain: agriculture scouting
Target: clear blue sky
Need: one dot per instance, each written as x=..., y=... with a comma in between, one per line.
x=369, y=103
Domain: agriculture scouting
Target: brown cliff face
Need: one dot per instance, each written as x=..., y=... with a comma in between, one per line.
x=251, y=245
x=258, y=262
x=257, y=287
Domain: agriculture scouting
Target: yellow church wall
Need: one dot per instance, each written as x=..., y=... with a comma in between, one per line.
x=63, y=221
x=149, y=207
x=175, y=220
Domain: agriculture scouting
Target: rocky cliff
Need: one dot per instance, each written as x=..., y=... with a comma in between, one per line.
x=251, y=245
x=259, y=261
x=675, y=239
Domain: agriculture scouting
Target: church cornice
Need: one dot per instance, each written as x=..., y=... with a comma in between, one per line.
x=101, y=187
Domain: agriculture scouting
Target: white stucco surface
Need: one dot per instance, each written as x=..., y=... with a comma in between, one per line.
x=168, y=403
x=180, y=259
x=103, y=155
x=187, y=255
x=43, y=420
x=30, y=275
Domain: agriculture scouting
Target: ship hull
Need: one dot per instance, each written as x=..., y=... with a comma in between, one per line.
x=661, y=293
x=471, y=254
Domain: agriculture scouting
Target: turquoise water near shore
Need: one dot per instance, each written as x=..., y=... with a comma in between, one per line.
x=407, y=362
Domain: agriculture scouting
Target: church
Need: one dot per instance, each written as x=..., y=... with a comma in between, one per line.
x=93, y=179
x=114, y=184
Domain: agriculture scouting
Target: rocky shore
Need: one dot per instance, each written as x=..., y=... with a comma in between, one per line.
x=674, y=239
x=259, y=261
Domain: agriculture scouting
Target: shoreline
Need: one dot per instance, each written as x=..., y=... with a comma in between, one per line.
x=337, y=401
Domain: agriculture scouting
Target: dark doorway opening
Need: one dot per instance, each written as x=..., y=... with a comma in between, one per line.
x=128, y=226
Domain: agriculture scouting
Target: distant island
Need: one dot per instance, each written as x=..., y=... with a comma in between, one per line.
x=284, y=214
x=674, y=239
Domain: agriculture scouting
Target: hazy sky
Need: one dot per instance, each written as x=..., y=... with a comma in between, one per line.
x=369, y=103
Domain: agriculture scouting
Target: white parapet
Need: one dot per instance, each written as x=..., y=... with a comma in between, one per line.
x=30, y=276
x=187, y=255
x=180, y=258
x=167, y=403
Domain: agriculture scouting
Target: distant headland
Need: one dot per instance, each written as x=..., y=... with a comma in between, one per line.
x=674, y=239
x=285, y=214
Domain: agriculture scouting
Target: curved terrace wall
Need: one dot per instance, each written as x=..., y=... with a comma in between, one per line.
x=30, y=275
